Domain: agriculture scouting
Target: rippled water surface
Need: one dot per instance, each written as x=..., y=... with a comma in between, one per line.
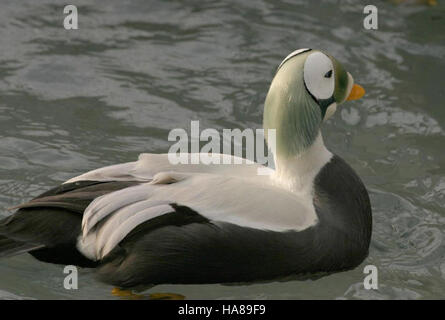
x=72, y=101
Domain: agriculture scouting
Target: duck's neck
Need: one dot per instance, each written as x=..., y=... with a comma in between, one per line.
x=295, y=116
x=297, y=172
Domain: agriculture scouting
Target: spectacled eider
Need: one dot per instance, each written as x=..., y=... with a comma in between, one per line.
x=149, y=222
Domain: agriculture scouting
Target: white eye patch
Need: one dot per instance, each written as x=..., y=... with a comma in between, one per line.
x=319, y=75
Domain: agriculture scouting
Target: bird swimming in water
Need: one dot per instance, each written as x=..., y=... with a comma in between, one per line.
x=151, y=222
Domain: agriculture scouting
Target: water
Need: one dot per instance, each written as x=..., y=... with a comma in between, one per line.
x=72, y=101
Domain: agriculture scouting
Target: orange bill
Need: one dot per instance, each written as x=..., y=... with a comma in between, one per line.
x=356, y=93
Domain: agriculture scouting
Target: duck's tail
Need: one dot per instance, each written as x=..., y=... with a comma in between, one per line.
x=48, y=226
x=10, y=247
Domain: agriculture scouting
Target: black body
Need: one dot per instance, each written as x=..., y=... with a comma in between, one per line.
x=185, y=247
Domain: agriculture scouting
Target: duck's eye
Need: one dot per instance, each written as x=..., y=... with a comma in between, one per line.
x=328, y=74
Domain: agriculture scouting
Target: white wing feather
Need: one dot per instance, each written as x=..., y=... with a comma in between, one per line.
x=112, y=236
x=221, y=193
x=241, y=201
x=148, y=165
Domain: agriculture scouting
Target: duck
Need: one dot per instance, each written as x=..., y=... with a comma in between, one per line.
x=150, y=222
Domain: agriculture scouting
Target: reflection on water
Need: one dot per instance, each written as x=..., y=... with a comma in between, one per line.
x=71, y=101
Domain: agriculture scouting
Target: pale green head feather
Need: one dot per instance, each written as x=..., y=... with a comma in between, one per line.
x=294, y=112
x=291, y=110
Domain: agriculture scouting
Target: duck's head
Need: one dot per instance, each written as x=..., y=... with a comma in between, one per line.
x=306, y=90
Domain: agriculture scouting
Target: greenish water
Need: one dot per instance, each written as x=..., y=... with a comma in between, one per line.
x=72, y=101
